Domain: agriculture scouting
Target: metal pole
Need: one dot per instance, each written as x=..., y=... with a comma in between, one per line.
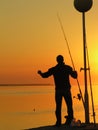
x=86, y=98
x=93, y=108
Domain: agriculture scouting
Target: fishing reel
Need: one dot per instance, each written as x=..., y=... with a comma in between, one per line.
x=78, y=96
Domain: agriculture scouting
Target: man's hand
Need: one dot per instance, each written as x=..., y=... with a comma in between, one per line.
x=39, y=72
x=75, y=74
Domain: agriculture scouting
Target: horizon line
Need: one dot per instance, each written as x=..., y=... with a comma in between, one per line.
x=26, y=84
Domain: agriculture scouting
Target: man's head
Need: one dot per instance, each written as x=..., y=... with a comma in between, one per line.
x=60, y=59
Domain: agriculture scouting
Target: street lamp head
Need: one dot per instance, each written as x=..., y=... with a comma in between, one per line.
x=83, y=5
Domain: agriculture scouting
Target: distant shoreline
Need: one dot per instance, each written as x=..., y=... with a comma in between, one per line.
x=25, y=84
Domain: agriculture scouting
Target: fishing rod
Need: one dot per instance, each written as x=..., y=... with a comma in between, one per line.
x=70, y=56
x=93, y=109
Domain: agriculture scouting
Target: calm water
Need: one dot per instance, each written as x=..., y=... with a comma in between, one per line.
x=24, y=107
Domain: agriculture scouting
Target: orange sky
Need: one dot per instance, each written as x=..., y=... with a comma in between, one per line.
x=31, y=38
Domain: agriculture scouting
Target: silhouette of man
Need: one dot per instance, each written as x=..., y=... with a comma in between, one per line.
x=61, y=73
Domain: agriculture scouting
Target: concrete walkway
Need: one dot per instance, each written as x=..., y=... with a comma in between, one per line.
x=63, y=127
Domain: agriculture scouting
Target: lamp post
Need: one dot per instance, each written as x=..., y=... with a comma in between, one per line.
x=83, y=6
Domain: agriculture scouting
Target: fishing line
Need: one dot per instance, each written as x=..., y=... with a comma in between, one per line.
x=70, y=56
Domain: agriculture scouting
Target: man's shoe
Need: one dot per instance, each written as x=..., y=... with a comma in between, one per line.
x=68, y=121
x=57, y=124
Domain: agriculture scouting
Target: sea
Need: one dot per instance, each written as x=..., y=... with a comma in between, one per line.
x=23, y=107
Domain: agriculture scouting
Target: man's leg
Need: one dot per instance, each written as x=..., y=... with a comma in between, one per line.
x=68, y=100
x=58, y=100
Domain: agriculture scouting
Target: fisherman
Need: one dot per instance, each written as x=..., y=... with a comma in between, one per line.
x=61, y=73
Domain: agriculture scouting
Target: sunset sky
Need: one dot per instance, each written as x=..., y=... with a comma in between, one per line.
x=31, y=38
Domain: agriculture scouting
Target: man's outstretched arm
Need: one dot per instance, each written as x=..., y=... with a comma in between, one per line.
x=45, y=74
